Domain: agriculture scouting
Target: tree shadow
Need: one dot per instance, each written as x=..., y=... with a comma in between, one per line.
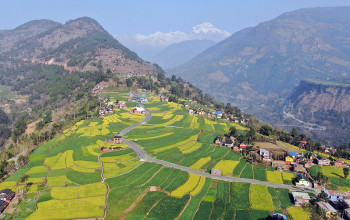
x=340, y=176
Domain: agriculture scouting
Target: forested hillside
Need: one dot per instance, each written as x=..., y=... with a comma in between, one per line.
x=46, y=65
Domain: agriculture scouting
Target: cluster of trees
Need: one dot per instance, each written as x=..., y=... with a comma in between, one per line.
x=5, y=131
x=241, y=137
x=45, y=120
x=20, y=128
x=182, y=89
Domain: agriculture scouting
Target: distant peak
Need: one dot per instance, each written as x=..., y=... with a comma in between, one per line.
x=208, y=28
x=85, y=22
x=38, y=23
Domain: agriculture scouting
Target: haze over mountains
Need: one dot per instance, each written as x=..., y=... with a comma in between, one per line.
x=151, y=46
x=180, y=53
x=257, y=68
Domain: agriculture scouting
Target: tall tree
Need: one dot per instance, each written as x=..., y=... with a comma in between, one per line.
x=346, y=172
x=294, y=132
x=233, y=131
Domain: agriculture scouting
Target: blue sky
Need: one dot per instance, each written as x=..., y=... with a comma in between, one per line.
x=148, y=16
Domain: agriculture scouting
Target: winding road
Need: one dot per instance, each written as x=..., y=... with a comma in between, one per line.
x=143, y=156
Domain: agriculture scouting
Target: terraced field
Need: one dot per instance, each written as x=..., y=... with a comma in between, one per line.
x=67, y=180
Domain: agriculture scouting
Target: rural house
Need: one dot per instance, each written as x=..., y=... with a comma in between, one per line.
x=265, y=154
x=293, y=154
x=337, y=195
x=278, y=216
x=122, y=105
x=289, y=160
x=118, y=139
x=323, y=162
x=340, y=163
x=218, y=141
x=216, y=172
x=331, y=213
x=300, y=198
x=228, y=143
x=303, y=181
x=243, y=145
x=6, y=197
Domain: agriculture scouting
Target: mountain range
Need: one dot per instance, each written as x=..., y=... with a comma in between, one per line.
x=180, y=53
x=79, y=44
x=257, y=68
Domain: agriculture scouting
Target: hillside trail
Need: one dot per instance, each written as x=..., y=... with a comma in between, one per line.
x=145, y=157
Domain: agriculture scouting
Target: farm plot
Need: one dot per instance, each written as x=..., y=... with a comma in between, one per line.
x=206, y=205
x=145, y=205
x=274, y=196
x=118, y=159
x=200, y=163
x=288, y=178
x=299, y=213
x=332, y=171
x=190, y=211
x=240, y=167
x=285, y=198
x=260, y=198
x=176, y=144
x=91, y=207
x=247, y=172
x=259, y=173
x=243, y=214
x=226, y=166
x=189, y=186
x=259, y=214
x=75, y=192
x=113, y=169
x=240, y=195
x=219, y=203
x=168, y=208
x=274, y=177
x=60, y=161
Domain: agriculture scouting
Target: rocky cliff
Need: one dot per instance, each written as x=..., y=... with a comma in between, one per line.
x=323, y=108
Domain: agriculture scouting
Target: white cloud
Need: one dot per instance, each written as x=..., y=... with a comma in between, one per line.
x=202, y=31
x=160, y=39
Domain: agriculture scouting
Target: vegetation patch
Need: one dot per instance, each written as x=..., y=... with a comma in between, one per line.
x=259, y=173
x=299, y=213
x=226, y=166
x=89, y=190
x=332, y=171
x=190, y=185
x=240, y=195
x=168, y=208
x=200, y=163
x=260, y=198
x=91, y=207
x=274, y=177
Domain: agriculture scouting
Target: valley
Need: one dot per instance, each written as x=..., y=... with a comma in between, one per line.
x=90, y=130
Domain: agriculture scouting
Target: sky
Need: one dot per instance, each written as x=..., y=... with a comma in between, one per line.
x=131, y=17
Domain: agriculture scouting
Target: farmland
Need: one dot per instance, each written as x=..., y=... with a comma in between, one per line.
x=67, y=179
